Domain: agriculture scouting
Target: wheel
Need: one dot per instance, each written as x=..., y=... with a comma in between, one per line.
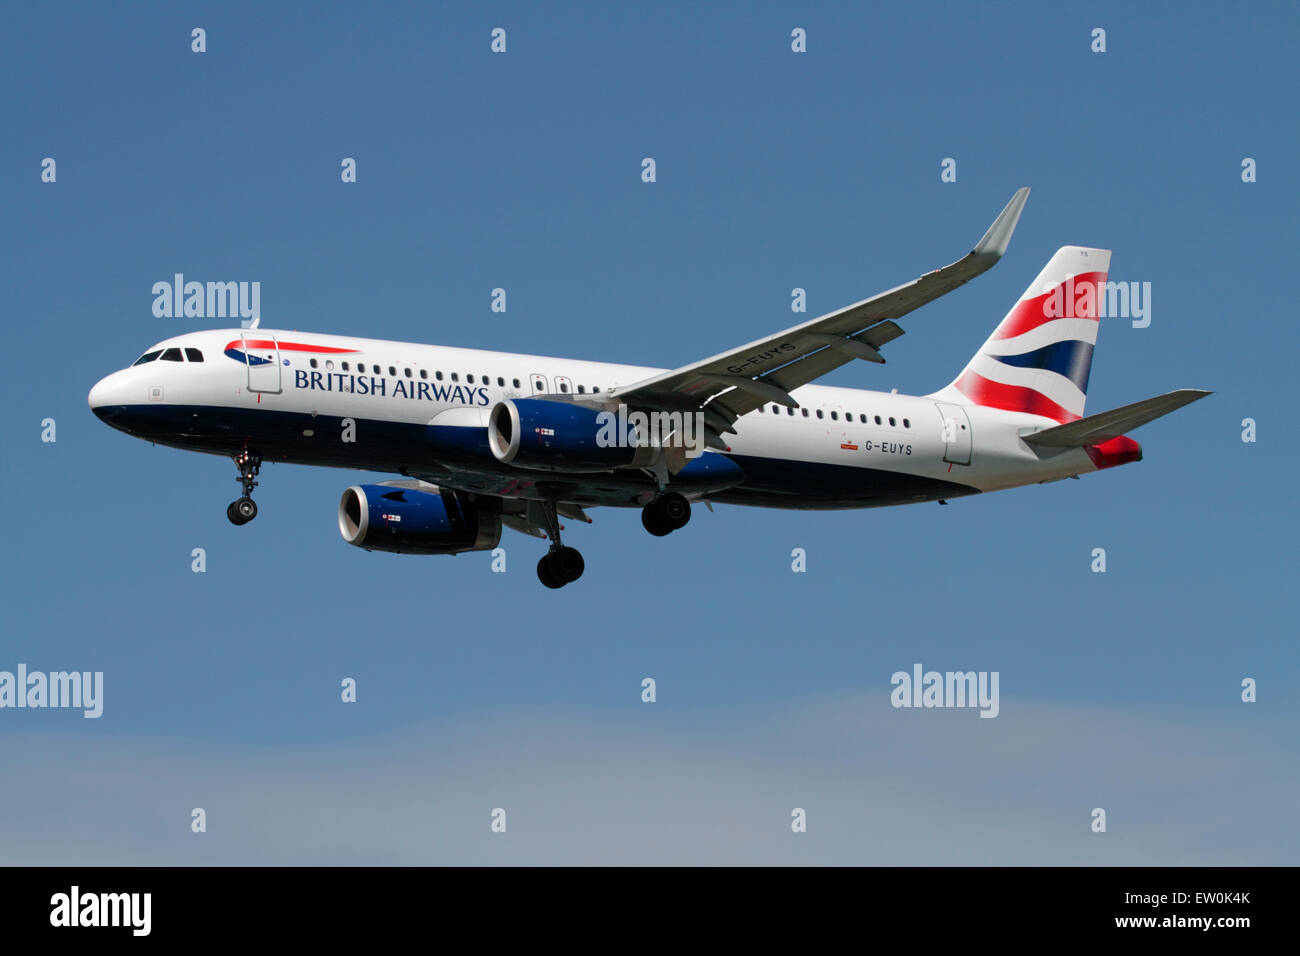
x=568, y=564
x=675, y=509
x=666, y=514
x=246, y=508
x=652, y=521
x=546, y=573
x=233, y=515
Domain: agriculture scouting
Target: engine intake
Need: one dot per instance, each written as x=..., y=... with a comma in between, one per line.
x=408, y=520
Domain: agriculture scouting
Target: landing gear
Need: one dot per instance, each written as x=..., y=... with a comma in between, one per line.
x=666, y=514
x=244, y=509
x=561, y=564
x=557, y=568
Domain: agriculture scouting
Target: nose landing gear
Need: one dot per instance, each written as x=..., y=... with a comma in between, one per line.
x=244, y=510
x=666, y=514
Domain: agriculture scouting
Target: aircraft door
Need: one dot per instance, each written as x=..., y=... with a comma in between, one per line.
x=956, y=434
x=262, y=353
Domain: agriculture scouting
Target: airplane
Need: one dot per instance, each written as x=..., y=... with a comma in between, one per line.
x=485, y=440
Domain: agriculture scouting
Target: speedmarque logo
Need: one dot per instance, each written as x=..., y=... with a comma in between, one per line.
x=102, y=909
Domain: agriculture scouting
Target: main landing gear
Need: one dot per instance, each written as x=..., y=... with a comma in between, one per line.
x=666, y=514
x=560, y=565
x=244, y=510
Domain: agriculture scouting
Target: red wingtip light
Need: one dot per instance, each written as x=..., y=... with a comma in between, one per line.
x=1117, y=451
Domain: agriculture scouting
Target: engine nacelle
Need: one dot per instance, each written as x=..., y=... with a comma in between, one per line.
x=407, y=520
x=563, y=436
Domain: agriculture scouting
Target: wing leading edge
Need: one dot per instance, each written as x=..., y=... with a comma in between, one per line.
x=733, y=383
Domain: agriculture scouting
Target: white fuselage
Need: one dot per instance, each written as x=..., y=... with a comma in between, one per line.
x=304, y=376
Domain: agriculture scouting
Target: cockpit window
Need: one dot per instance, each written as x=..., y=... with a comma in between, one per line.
x=172, y=355
x=194, y=355
x=147, y=357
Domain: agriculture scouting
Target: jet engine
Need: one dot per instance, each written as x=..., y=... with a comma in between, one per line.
x=564, y=436
x=415, y=518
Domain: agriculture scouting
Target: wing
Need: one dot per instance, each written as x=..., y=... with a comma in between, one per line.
x=733, y=383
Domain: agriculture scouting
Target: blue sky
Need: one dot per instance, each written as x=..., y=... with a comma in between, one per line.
x=775, y=170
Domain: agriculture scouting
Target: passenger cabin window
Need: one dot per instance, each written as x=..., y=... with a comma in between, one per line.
x=147, y=357
x=564, y=386
x=581, y=389
x=424, y=373
x=501, y=382
x=805, y=413
x=408, y=372
x=392, y=370
x=194, y=355
x=877, y=419
x=835, y=416
x=789, y=411
x=819, y=413
x=438, y=376
x=470, y=379
x=345, y=366
x=361, y=366
x=892, y=423
x=906, y=423
x=172, y=355
x=312, y=363
x=455, y=376
x=515, y=381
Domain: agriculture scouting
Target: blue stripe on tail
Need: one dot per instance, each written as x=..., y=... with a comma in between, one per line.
x=1072, y=359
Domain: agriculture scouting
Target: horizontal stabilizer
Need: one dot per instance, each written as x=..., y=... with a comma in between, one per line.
x=1096, y=429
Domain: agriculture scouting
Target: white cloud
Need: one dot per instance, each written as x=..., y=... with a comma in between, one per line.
x=655, y=786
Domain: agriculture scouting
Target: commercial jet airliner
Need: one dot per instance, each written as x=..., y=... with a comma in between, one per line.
x=486, y=440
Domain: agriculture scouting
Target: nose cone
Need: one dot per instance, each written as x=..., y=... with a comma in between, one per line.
x=107, y=398
x=98, y=395
x=1117, y=451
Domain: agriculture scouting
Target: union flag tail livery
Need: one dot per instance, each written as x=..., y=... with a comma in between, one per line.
x=487, y=440
x=1038, y=359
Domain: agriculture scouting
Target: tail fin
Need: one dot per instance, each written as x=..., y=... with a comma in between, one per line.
x=1038, y=359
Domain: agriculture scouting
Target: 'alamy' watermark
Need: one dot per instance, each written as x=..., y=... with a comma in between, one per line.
x=211, y=300
x=84, y=689
x=76, y=908
x=626, y=429
x=1099, y=300
x=947, y=689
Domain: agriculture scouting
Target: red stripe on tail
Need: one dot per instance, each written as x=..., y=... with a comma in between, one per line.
x=1030, y=314
x=1012, y=398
